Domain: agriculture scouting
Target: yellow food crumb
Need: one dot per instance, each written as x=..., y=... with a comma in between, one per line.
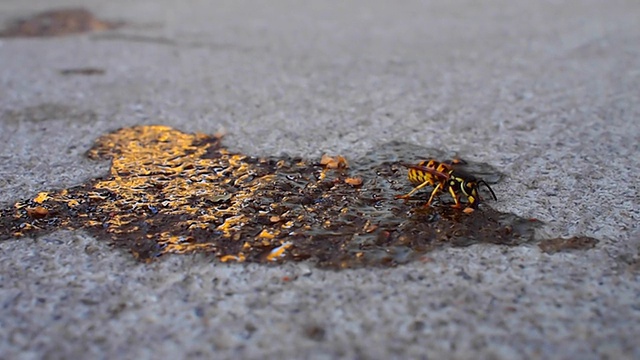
x=278, y=252
x=239, y=258
x=264, y=234
x=41, y=197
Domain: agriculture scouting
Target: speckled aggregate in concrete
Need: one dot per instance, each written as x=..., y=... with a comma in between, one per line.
x=547, y=91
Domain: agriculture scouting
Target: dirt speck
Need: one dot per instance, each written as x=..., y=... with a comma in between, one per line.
x=82, y=71
x=315, y=332
x=552, y=246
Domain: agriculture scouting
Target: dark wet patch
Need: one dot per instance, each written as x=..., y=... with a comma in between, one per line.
x=58, y=22
x=82, y=71
x=552, y=246
x=172, y=192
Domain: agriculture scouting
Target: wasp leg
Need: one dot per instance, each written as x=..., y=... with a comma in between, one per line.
x=435, y=191
x=456, y=200
x=407, y=196
x=473, y=202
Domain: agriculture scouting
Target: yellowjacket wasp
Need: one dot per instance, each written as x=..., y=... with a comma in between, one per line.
x=444, y=176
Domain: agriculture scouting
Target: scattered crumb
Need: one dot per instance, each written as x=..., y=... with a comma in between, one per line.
x=339, y=162
x=37, y=212
x=356, y=181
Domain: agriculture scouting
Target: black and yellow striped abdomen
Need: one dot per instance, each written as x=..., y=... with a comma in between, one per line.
x=418, y=176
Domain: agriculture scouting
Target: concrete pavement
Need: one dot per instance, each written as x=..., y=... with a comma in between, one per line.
x=545, y=91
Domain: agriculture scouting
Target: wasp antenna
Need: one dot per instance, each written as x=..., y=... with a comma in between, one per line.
x=490, y=189
x=456, y=161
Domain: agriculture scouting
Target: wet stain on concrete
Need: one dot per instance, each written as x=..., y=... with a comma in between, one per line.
x=552, y=246
x=59, y=22
x=173, y=192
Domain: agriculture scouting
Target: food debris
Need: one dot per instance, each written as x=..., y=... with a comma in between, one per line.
x=37, y=212
x=170, y=192
x=266, y=235
x=41, y=197
x=339, y=162
x=278, y=252
x=369, y=228
x=237, y=258
x=356, y=181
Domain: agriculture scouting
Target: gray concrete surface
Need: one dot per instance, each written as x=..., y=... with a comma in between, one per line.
x=548, y=91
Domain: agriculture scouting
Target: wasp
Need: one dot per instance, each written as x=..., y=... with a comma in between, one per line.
x=446, y=177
